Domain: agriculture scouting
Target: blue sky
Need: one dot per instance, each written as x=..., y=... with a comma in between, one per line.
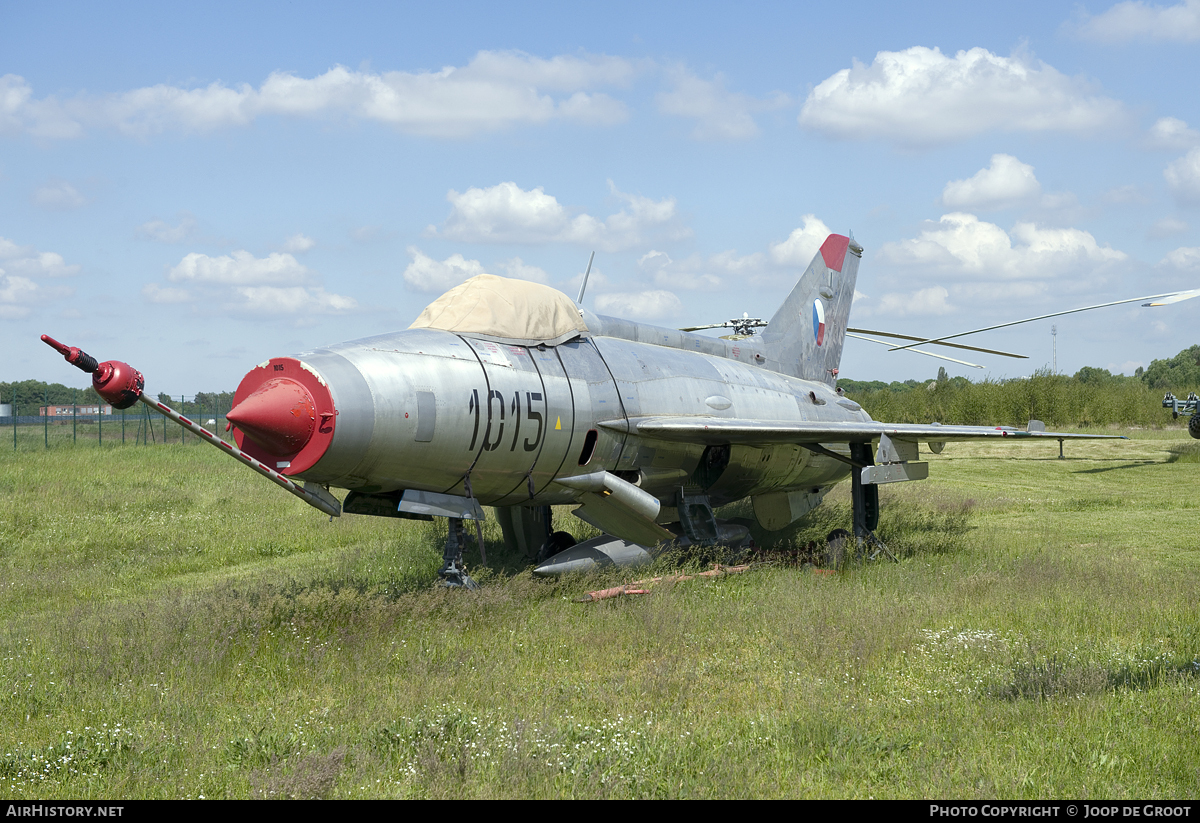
x=195, y=191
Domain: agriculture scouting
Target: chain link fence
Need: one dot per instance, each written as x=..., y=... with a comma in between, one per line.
x=27, y=427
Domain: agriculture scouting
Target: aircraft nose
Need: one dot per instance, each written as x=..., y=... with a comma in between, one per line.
x=284, y=415
x=279, y=416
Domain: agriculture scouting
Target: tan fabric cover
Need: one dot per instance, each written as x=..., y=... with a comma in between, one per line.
x=506, y=310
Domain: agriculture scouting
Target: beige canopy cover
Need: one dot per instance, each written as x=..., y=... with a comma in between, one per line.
x=506, y=311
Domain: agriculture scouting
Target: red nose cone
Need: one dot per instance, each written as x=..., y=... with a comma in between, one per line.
x=280, y=416
x=284, y=415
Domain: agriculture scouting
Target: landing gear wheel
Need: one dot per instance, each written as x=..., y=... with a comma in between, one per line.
x=557, y=542
x=837, y=544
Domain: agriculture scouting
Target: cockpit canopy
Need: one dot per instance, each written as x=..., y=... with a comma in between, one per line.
x=503, y=310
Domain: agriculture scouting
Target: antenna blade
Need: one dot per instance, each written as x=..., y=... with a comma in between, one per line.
x=583, y=285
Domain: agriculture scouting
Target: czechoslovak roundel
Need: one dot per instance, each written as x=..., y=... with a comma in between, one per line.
x=819, y=321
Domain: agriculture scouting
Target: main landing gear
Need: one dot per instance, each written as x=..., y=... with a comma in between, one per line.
x=452, y=572
x=865, y=500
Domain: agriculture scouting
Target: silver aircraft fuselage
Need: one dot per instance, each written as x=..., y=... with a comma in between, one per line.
x=428, y=409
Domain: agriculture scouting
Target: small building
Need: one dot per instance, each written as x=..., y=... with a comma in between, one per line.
x=68, y=410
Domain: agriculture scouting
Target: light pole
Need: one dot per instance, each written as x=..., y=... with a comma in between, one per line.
x=1054, y=349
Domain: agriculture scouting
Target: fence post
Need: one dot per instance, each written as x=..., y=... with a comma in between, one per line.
x=46, y=420
x=182, y=430
x=100, y=422
x=122, y=427
x=14, y=414
x=74, y=415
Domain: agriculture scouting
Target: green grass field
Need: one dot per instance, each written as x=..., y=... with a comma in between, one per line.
x=175, y=626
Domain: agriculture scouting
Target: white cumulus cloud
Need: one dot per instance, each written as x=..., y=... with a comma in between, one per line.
x=506, y=213
x=291, y=300
x=657, y=304
x=20, y=269
x=518, y=269
x=1183, y=177
x=47, y=264
x=1184, y=259
x=964, y=246
x=17, y=294
x=27, y=260
x=428, y=275
x=687, y=274
x=20, y=112
x=1172, y=133
x=597, y=282
x=709, y=273
x=495, y=90
x=921, y=97
x=802, y=244
x=1006, y=182
x=240, y=268
x=1137, y=21
x=920, y=303
x=298, y=244
x=1166, y=227
x=274, y=285
x=720, y=114
x=593, y=109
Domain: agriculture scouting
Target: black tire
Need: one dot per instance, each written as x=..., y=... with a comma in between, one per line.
x=837, y=546
x=558, y=542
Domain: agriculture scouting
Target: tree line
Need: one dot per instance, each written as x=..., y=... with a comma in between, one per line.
x=30, y=395
x=1090, y=397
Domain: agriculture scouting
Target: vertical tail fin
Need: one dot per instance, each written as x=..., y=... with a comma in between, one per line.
x=805, y=336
